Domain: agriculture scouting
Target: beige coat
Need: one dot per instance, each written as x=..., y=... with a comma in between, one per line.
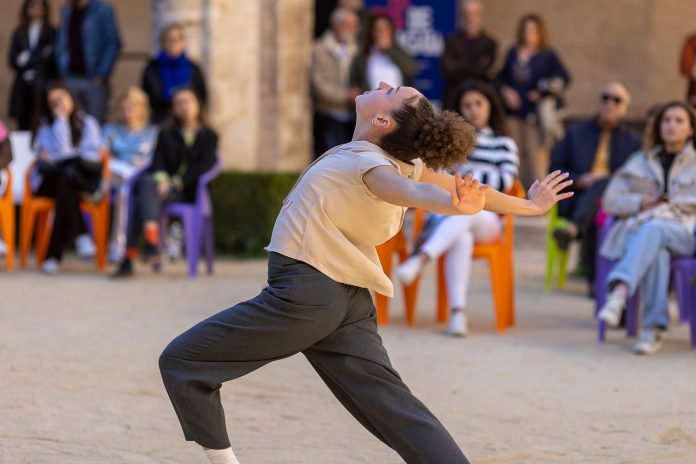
x=329, y=76
x=641, y=176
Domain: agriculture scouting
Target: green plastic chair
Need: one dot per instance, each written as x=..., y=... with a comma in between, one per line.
x=556, y=259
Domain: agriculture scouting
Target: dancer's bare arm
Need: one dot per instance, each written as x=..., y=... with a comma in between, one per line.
x=542, y=194
x=465, y=196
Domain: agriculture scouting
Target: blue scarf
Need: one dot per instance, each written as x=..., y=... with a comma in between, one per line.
x=174, y=73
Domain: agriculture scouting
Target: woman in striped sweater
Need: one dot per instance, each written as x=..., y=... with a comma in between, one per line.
x=495, y=162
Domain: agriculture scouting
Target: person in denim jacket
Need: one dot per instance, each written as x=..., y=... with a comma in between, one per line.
x=86, y=50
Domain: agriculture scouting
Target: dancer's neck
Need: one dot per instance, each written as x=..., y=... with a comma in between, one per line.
x=366, y=132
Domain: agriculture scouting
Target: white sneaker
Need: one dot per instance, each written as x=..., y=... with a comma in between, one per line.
x=3, y=248
x=611, y=311
x=457, y=324
x=116, y=252
x=85, y=247
x=409, y=270
x=650, y=342
x=50, y=266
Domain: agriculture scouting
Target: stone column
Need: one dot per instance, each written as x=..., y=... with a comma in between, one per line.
x=255, y=55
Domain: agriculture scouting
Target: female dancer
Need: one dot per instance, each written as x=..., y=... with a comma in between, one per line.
x=494, y=162
x=322, y=263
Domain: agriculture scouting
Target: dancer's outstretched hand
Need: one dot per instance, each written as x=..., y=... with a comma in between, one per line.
x=544, y=194
x=468, y=196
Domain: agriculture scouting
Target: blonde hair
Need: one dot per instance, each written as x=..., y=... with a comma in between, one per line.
x=138, y=98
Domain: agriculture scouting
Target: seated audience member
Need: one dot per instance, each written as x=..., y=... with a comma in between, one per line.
x=494, y=162
x=170, y=70
x=68, y=143
x=186, y=149
x=654, y=199
x=382, y=59
x=5, y=158
x=332, y=96
x=469, y=52
x=590, y=152
x=130, y=143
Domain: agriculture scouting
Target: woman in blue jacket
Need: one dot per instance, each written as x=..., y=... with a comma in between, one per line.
x=533, y=79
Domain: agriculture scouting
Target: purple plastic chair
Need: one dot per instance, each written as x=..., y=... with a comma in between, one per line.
x=603, y=267
x=197, y=219
x=683, y=269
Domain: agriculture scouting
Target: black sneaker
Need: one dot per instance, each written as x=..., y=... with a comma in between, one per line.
x=562, y=237
x=125, y=269
x=151, y=253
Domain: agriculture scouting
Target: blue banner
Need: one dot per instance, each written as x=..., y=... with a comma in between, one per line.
x=421, y=29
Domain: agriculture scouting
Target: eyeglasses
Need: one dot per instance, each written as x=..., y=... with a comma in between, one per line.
x=606, y=97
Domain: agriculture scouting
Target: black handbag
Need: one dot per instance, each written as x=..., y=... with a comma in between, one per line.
x=84, y=174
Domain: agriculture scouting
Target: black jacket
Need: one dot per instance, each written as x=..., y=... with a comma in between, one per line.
x=576, y=152
x=41, y=61
x=152, y=85
x=465, y=58
x=190, y=163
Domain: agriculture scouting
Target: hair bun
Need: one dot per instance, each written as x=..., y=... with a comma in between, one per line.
x=445, y=141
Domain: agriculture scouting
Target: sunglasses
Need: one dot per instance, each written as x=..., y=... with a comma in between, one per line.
x=605, y=97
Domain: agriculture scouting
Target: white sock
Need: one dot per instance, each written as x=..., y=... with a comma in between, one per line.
x=223, y=456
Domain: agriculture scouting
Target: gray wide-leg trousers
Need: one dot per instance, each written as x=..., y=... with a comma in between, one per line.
x=333, y=325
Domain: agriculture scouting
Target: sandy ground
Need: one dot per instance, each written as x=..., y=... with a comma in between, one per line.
x=79, y=380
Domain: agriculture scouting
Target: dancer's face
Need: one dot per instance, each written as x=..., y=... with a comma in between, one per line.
x=379, y=104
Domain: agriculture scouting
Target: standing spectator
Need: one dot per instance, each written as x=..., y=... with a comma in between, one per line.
x=532, y=82
x=382, y=59
x=469, y=52
x=170, y=70
x=131, y=143
x=688, y=68
x=5, y=158
x=591, y=152
x=333, y=98
x=31, y=57
x=494, y=162
x=654, y=199
x=364, y=18
x=186, y=149
x=68, y=143
x=86, y=50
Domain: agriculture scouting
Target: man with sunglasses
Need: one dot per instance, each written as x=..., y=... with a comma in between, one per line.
x=591, y=151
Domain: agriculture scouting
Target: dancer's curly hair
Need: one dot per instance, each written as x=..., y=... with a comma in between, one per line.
x=441, y=141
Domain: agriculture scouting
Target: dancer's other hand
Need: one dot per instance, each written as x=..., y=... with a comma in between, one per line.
x=544, y=194
x=468, y=196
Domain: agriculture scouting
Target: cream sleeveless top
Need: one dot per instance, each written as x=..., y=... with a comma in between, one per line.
x=331, y=221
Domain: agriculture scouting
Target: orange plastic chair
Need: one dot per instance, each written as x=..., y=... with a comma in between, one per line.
x=7, y=221
x=398, y=245
x=500, y=263
x=36, y=213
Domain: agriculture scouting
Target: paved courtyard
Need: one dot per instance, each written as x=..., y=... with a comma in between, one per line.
x=79, y=380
